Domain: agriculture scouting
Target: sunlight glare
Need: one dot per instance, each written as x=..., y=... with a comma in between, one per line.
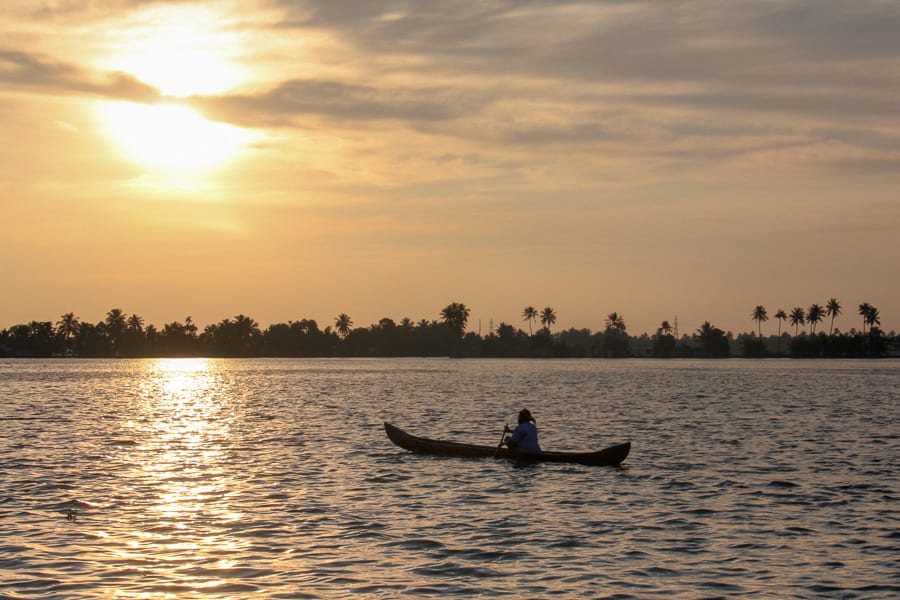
x=170, y=136
x=182, y=50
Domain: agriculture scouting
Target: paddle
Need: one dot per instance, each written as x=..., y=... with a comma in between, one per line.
x=506, y=430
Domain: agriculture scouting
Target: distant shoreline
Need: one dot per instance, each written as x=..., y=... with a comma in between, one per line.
x=125, y=336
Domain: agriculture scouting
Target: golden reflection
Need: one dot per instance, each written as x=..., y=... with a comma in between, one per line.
x=183, y=377
x=181, y=474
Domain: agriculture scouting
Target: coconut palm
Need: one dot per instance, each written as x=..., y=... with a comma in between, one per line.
x=135, y=323
x=245, y=327
x=759, y=315
x=530, y=314
x=833, y=309
x=245, y=323
x=548, y=317
x=456, y=315
x=864, y=310
x=814, y=315
x=343, y=324
x=67, y=325
x=115, y=327
x=713, y=340
x=615, y=322
x=664, y=328
x=872, y=317
x=798, y=318
x=781, y=316
x=115, y=320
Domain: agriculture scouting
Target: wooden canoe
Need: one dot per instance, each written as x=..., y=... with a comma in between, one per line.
x=611, y=456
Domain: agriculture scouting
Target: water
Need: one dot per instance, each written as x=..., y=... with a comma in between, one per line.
x=274, y=479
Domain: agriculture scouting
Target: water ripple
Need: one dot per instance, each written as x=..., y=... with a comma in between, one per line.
x=271, y=478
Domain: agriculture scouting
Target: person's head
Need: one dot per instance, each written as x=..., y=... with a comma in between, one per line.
x=525, y=416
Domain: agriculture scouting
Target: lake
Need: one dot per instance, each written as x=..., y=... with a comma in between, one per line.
x=274, y=479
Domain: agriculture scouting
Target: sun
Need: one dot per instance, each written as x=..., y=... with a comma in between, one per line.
x=170, y=136
x=183, y=51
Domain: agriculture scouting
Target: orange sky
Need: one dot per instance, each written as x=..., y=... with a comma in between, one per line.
x=291, y=160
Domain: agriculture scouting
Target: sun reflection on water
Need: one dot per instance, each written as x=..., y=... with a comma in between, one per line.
x=181, y=476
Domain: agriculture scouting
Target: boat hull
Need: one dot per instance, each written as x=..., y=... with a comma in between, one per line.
x=612, y=456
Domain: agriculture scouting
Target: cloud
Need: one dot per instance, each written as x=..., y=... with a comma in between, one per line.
x=33, y=73
x=80, y=9
x=823, y=48
x=291, y=100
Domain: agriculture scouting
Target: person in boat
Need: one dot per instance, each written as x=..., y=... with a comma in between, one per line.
x=524, y=438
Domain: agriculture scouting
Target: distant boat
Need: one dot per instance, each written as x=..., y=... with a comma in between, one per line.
x=609, y=457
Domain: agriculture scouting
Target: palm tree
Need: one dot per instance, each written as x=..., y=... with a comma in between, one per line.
x=135, y=323
x=664, y=328
x=343, y=323
x=67, y=325
x=759, y=315
x=115, y=319
x=548, y=318
x=245, y=327
x=814, y=315
x=530, y=314
x=798, y=318
x=615, y=322
x=456, y=316
x=833, y=309
x=713, y=340
x=191, y=329
x=782, y=317
x=872, y=317
x=115, y=327
x=864, y=310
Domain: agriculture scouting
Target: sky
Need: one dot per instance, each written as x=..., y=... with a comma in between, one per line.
x=661, y=159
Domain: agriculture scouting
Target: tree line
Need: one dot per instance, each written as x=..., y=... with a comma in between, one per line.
x=126, y=336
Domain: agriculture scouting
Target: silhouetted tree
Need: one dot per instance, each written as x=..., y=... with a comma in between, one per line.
x=615, y=323
x=814, y=316
x=118, y=335
x=66, y=328
x=872, y=318
x=752, y=346
x=67, y=325
x=615, y=341
x=133, y=339
x=115, y=328
x=713, y=340
x=135, y=323
x=833, y=309
x=530, y=314
x=179, y=339
x=759, y=315
x=665, y=328
x=864, y=310
x=781, y=316
x=343, y=324
x=91, y=341
x=456, y=315
x=798, y=318
x=548, y=318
